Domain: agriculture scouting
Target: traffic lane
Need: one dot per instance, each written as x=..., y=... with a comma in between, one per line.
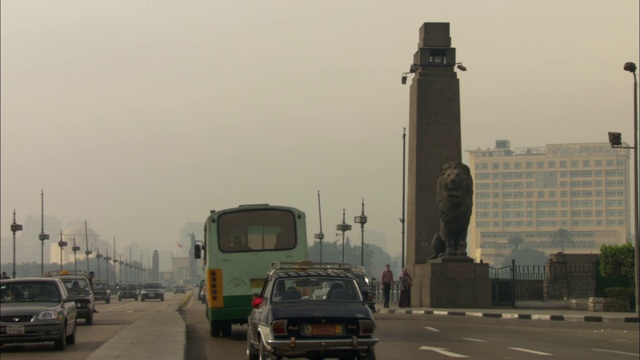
x=107, y=322
x=440, y=337
x=200, y=344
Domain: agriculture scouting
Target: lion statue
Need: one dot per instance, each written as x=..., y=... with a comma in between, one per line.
x=454, y=194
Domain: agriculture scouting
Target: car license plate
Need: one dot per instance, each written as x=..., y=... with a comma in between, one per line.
x=15, y=329
x=322, y=329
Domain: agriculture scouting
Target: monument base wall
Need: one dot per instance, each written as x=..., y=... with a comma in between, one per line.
x=451, y=282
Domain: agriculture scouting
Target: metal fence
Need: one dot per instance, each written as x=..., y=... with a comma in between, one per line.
x=553, y=281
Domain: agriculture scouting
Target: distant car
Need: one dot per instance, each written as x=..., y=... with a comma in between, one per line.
x=180, y=289
x=127, y=291
x=35, y=310
x=79, y=289
x=152, y=290
x=201, y=294
x=365, y=287
x=289, y=320
x=101, y=291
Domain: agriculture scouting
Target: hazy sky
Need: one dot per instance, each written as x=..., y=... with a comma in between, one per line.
x=140, y=116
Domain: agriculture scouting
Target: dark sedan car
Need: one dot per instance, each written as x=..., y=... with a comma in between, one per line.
x=128, y=291
x=34, y=310
x=310, y=311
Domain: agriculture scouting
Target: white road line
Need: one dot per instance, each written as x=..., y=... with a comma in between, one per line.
x=443, y=351
x=432, y=329
x=529, y=351
x=476, y=340
x=615, y=352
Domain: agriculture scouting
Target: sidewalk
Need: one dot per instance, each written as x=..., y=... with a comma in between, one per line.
x=517, y=313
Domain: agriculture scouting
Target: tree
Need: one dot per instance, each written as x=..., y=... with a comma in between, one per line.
x=526, y=257
x=617, y=260
x=561, y=237
x=515, y=241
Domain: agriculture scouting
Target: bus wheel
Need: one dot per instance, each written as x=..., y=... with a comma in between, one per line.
x=215, y=329
x=226, y=329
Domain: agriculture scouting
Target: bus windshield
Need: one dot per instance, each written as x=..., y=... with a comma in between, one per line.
x=258, y=230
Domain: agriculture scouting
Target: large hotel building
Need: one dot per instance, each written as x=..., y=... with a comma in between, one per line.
x=532, y=192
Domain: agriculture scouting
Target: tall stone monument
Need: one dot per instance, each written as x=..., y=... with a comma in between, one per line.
x=434, y=134
x=435, y=140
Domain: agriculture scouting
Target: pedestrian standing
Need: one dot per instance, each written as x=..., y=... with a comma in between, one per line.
x=405, y=291
x=387, y=281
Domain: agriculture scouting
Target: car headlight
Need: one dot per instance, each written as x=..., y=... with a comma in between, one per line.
x=48, y=315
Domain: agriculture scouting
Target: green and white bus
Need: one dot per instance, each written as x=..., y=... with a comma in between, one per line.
x=239, y=246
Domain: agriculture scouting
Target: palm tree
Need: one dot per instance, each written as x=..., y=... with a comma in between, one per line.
x=562, y=236
x=515, y=241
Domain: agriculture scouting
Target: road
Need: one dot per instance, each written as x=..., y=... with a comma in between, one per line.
x=110, y=319
x=444, y=337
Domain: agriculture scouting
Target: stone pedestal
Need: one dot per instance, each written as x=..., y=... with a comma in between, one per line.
x=451, y=282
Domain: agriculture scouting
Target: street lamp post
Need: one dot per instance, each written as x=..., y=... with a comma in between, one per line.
x=631, y=67
x=361, y=219
x=15, y=227
x=87, y=251
x=402, y=219
x=320, y=236
x=42, y=235
x=615, y=139
x=61, y=244
x=343, y=227
x=106, y=260
x=98, y=257
x=75, y=249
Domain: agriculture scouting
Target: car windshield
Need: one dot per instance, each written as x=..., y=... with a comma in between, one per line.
x=99, y=286
x=35, y=291
x=152, y=286
x=76, y=286
x=315, y=288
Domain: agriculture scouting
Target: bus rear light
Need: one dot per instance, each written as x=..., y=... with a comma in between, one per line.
x=216, y=298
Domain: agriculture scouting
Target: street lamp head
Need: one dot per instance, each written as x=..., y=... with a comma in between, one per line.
x=404, y=78
x=615, y=139
x=461, y=67
x=630, y=67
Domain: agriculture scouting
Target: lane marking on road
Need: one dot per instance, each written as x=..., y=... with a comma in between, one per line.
x=431, y=329
x=472, y=339
x=443, y=351
x=530, y=351
x=616, y=352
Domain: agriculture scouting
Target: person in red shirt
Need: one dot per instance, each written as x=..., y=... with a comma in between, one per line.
x=387, y=280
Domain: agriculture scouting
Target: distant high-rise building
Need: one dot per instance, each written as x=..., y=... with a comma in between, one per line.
x=155, y=267
x=532, y=192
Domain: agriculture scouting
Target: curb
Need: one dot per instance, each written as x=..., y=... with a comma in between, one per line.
x=517, y=316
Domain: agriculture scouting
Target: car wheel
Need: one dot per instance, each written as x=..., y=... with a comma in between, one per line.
x=215, y=329
x=119, y=298
x=371, y=355
x=252, y=353
x=142, y=299
x=89, y=319
x=61, y=343
x=263, y=351
x=107, y=301
x=226, y=329
x=162, y=298
x=71, y=339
